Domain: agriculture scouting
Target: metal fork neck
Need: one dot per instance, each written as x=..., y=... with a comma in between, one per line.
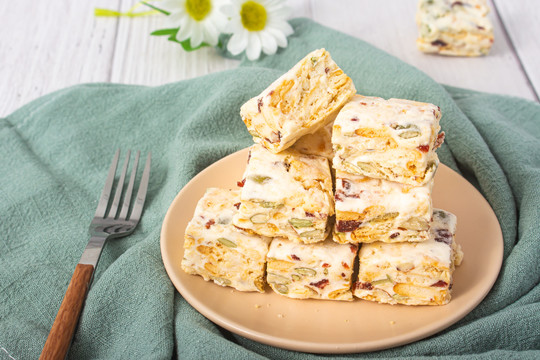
x=93, y=250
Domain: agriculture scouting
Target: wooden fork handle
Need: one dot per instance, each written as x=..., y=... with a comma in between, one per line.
x=63, y=329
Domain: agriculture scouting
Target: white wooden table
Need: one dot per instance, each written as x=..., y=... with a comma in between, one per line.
x=49, y=45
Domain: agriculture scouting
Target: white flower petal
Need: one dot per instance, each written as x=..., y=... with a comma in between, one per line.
x=238, y=43
x=281, y=39
x=268, y=39
x=269, y=44
x=211, y=34
x=185, y=31
x=253, y=50
x=197, y=35
x=282, y=26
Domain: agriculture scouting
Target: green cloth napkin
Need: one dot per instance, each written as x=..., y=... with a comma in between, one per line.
x=55, y=153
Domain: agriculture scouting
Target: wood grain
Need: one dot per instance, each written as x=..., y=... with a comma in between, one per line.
x=390, y=25
x=49, y=45
x=63, y=329
x=521, y=23
x=46, y=46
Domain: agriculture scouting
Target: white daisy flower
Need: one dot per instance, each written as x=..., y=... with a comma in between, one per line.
x=257, y=25
x=199, y=20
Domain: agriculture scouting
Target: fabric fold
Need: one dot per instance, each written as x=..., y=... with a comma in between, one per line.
x=56, y=151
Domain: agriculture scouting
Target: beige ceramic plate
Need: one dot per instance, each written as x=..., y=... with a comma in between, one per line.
x=323, y=326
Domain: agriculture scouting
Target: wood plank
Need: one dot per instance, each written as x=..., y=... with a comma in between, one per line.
x=49, y=45
x=149, y=60
x=521, y=22
x=390, y=25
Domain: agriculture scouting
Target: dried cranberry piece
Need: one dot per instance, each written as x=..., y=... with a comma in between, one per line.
x=345, y=184
x=209, y=223
x=443, y=236
x=309, y=214
x=438, y=43
x=320, y=284
x=259, y=104
x=345, y=265
x=423, y=148
x=440, y=140
x=294, y=257
x=440, y=283
x=237, y=205
x=394, y=235
x=364, y=285
x=241, y=183
x=348, y=225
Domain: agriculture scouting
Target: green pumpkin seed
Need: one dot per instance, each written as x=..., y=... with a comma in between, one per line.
x=312, y=234
x=385, y=217
x=282, y=289
x=399, y=297
x=306, y=271
x=325, y=271
x=277, y=279
x=227, y=242
x=296, y=277
x=415, y=223
x=366, y=167
x=259, y=179
x=270, y=205
x=300, y=223
x=314, y=60
x=440, y=214
x=431, y=166
x=383, y=281
x=259, y=218
x=409, y=134
x=405, y=127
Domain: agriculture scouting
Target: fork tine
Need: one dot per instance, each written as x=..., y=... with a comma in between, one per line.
x=141, y=194
x=129, y=190
x=119, y=186
x=106, y=193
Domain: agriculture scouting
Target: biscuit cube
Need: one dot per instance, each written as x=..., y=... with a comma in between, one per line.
x=369, y=210
x=318, y=271
x=457, y=28
x=410, y=273
x=392, y=139
x=216, y=250
x=286, y=195
x=300, y=102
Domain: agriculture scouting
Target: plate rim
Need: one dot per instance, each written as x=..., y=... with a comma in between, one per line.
x=301, y=345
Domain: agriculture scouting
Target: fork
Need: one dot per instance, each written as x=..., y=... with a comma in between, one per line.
x=114, y=223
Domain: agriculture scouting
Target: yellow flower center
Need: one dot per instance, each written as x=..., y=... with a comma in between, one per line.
x=253, y=16
x=198, y=9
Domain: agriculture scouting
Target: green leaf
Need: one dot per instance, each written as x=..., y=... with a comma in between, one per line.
x=162, y=32
x=186, y=43
x=156, y=8
x=172, y=37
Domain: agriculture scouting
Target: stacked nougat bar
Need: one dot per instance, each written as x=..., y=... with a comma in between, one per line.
x=385, y=161
x=457, y=28
x=279, y=227
x=286, y=194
